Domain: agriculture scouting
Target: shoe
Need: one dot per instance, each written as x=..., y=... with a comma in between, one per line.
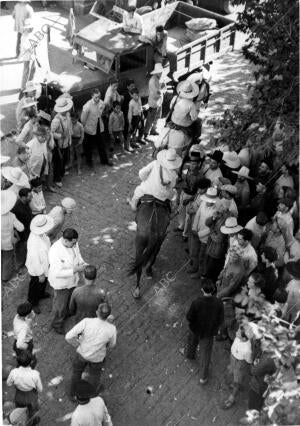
x=36, y=310
x=67, y=173
x=178, y=229
x=110, y=163
x=130, y=150
x=134, y=145
x=49, y=189
x=59, y=184
x=203, y=381
x=154, y=133
x=141, y=142
x=46, y=295
x=195, y=276
x=185, y=239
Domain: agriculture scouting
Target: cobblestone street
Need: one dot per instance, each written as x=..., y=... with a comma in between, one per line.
x=151, y=330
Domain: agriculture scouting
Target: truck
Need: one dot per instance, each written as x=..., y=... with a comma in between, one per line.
x=104, y=51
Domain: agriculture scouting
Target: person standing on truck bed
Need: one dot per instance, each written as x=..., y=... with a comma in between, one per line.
x=159, y=52
x=132, y=22
x=91, y=118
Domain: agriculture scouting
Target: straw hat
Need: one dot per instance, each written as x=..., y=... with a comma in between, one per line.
x=210, y=196
x=29, y=102
x=68, y=203
x=18, y=416
x=231, y=226
x=4, y=159
x=231, y=159
x=243, y=172
x=8, y=200
x=187, y=90
x=158, y=69
x=169, y=159
x=197, y=77
x=229, y=188
x=15, y=176
x=41, y=224
x=63, y=104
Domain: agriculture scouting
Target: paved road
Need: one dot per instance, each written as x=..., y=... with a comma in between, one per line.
x=150, y=331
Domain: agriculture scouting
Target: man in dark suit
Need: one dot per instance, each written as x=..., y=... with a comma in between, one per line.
x=205, y=316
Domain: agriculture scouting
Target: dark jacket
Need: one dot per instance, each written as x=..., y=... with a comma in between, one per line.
x=205, y=316
x=24, y=215
x=266, y=366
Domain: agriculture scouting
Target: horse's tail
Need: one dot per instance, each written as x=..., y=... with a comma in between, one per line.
x=142, y=259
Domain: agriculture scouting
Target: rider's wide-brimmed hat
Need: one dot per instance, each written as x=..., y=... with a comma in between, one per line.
x=196, y=77
x=243, y=172
x=187, y=90
x=31, y=86
x=29, y=102
x=41, y=224
x=16, y=176
x=231, y=159
x=63, y=104
x=8, y=200
x=210, y=196
x=231, y=226
x=169, y=159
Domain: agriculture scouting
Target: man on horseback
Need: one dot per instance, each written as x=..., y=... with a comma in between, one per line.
x=158, y=178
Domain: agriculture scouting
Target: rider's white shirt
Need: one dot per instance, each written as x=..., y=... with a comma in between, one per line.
x=184, y=112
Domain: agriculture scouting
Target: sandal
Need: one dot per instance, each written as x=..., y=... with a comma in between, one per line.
x=229, y=402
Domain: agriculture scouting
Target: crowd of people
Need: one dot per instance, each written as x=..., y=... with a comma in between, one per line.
x=238, y=213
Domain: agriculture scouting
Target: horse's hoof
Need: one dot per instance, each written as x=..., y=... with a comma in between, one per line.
x=136, y=293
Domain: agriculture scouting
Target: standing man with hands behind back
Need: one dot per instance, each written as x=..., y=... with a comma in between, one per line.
x=65, y=264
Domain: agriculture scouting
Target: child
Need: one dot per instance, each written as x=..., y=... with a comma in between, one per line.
x=116, y=125
x=241, y=359
x=77, y=139
x=22, y=160
x=22, y=325
x=135, y=119
x=38, y=203
x=27, y=383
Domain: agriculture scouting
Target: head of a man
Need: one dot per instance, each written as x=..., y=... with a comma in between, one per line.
x=24, y=359
x=208, y=287
x=203, y=185
x=159, y=31
x=23, y=153
x=96, y=96
x=36, y=185
x=284, y=205
x=135, y=94
x=69, y=237
x=90, y=273
x=261, y=188
x=131, y=11
x=25, y=311
x=103, y=311
x=244, y=237
x=261, y=219
x=25, y=195
x=130, y=84
x=113, y=84
x=269, y=255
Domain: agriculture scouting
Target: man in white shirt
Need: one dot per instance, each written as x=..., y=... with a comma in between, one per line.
x=91, y=337
x=37, y=263
x=27, y=53
x=248, y=254
x=65, y=264
x=21, y=12
x=155, y=100
x=91, y=410
x=132, y=21
x=212, y=171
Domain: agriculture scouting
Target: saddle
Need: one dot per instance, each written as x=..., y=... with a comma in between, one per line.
x=149, y=199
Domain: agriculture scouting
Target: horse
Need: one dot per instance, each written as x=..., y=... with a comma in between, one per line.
x=152, y=218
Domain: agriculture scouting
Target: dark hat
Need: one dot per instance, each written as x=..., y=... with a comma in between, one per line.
x=270, y=254
x=203, y=183
x=216, y=155
x=195, y=156
x=293, y=268
x=286, y=201
x=84, y=390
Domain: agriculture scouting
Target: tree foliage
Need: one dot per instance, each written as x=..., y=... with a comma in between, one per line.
x=272, y=28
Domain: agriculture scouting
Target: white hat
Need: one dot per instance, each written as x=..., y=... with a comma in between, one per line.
x=31, y=86
x=169, y=159
x=41, y=224
x=8, y=200
x=18, y=416
x=231, y=226
x=187, y=90
x=16, y=176
x=243, y=172
x=231, y=159
x=197, y=77
x=158, y=69
x=29, y=102
x=68, y=203
x=4, y=159
x=210, y=196
x=63, y=104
